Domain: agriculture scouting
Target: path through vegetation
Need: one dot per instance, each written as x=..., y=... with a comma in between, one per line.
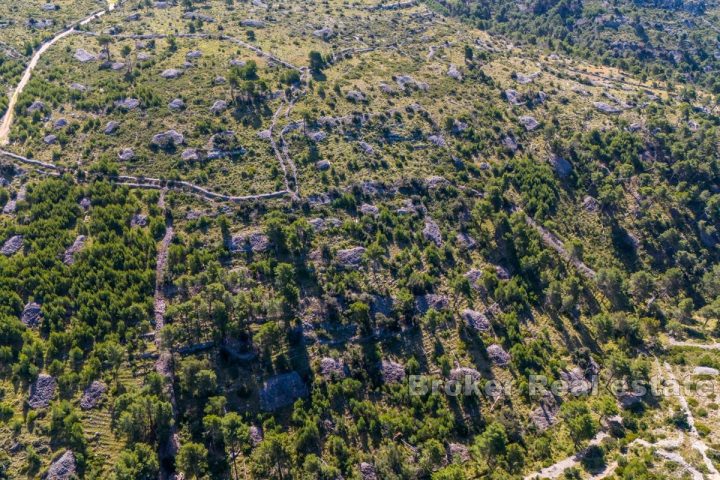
x=164, y=364
x=27, y=74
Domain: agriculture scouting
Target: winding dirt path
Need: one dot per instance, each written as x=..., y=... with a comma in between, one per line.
x=696, y=442
x=661, y=447
x=285, y=151
x=155, y=183
x=143, y=182
x=276, y=150
x=27, y=74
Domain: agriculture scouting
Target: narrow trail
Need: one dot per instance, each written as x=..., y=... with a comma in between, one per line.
x=704, y=346
x=662, y=448
x=609, y=470
x=161, y=268
x=696, y=441
x=276, y=150
x=27, y=74
x=673, y=457
x=82, y=176
x=285, y=152
x=164, y=364
x=281, y=154
x=157, y=36
x=557, y=469
x=553, y=242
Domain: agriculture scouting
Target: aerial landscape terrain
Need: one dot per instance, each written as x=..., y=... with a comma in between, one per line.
x=359, y=239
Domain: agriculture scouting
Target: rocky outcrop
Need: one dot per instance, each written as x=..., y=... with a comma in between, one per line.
x=355, y=96
x=36, y=106
x=605, y=108
x=523, y=79
x=219, y=106
x=475, y=320
x=370, y=210
x=392, y=372
x=545, y=415
x=126, y=154
x=498, y=355
x=562, y=167
x=92, y=395
x=281, y=391
x=249, y=22
x=169, y=139
x=128, y=104
x=576, y=382
x=351, y=257
x=254, y=242
x=590, y=204
x=42, y=391
x=31, y=315
x=322, y=165
x=171, y=73
x=138, y=220
x=510, y=143
x=322, y=224
x=12, y=245
x=464, y=374
x=437, y=140
x=69, y=256
x=432, y=232
x=706, y=371
x=111, y=128
x=176, y=104
x=454, y=73
x=198, y=16
x=64, y=468
x=325, y=33
x=628, y=400
x=514, y=97
x=367, y=471
x=430, y=301
x=190, y=155
x=332, y=368
x=530, y=123
x=465, y=241
x=82, y=55
x=256, y=435
x=474, y=276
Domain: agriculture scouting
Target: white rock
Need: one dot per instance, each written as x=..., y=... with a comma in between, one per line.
x=171, y=73
x=530, y=123
x=219, y=106
x=126, y=154
x=84, y=56
x=168, y=139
